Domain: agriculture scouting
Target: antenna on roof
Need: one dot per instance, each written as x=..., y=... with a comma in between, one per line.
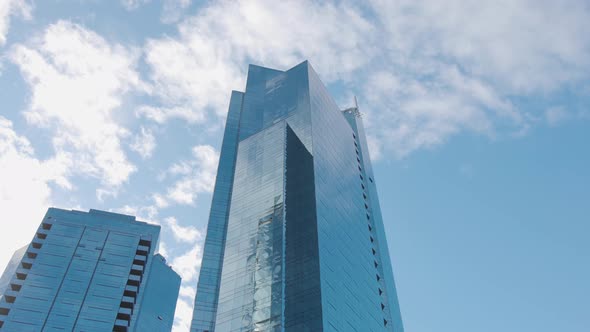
x=354, y=110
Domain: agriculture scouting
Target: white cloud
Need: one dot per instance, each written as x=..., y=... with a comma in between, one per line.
x=198, y=70
x=184, y=308
x=455, y=66
x=406, y=114
x=162, y=114
x=163, y=249
x=133, y=4
x=144, y=143
x=187, y=265
x=197, y=175
x=142, y=213
x=20, y=8
x=424, y=70
x=102, y=193
x=160, y=200
x=183, y=315
x=78, y=81
x=188, y=234
x=187, y=291
x=173, y=10
x=511, y=43
x=24, y=191
x=556, y=115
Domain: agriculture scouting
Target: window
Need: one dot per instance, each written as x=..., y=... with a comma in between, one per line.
x=130, y=293
x=123, y=316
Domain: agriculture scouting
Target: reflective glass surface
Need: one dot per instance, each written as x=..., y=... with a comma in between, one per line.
x=304, y=247
x=159, y=294
x=86, y=272
x=205, y=308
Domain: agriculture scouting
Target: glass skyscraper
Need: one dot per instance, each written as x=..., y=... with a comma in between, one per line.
x=89, y=271
x=295, y=239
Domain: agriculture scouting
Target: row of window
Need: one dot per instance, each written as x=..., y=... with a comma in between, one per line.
x=22, y=271
x=132, y=287
x=365, y=199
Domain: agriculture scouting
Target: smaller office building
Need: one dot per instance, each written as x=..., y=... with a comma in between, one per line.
x=89, y=271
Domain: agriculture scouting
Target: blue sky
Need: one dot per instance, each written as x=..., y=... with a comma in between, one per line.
x=478, y=115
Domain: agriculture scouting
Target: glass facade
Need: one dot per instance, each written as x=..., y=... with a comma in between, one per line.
x=92, y=271
x=295, y=239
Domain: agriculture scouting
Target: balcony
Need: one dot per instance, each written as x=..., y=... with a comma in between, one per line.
x=138, y=268
x=4, y=308
x=143, y=250
x=120, y=326
x=15, y=287
x=18, y=283
x=124, y=314
x=126, y=304
x=10, y=295
x=128, y=299
x=134, y=278
x=32, y=253
x=139, y=260
x=129, y=288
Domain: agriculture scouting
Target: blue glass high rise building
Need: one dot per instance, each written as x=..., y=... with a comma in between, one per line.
x=89, y=271
x=295, y=239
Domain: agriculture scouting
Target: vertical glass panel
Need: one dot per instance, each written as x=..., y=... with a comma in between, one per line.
x=250, y=297
x=205, y=308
